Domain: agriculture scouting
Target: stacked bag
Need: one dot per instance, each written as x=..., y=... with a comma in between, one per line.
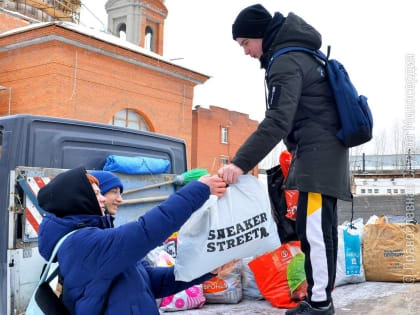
x=349, y=256
x=190, y=298
x=391, y=250
x=225, y=288
x=280, y=275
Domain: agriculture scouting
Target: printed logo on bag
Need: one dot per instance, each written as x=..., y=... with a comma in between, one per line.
x=284, y=253
x=393, y=252
x=238, y=234
x=214, y=285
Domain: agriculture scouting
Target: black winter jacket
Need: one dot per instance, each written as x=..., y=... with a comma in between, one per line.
x=297, y=80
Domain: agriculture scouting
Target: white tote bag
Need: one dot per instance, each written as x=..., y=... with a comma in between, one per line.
x=235, y=226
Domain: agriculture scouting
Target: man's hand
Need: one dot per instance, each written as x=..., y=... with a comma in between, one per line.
x=230, y=173
x=224, y=270
x=217, y=185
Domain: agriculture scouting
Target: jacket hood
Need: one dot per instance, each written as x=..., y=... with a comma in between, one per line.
x=293, y=31
x=53, y=228
x=69, y=193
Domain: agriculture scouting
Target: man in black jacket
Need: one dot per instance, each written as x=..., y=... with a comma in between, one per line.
x=297, y=84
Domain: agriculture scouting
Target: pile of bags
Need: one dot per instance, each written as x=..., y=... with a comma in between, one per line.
x=278, y=276
x=387, y=248
x=240, y=225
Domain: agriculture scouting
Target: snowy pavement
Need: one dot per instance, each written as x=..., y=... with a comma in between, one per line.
x=364, y=298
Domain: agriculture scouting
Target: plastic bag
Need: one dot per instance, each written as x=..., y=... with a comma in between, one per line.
x=235, y=226
x=280, y=275
x=286, y=227
x=170, y=244
x=190, y=298
x=349, y=256
x=372, y=219
x=158, y=257
x=291, y=196
x=249, y=285
x=224, y=289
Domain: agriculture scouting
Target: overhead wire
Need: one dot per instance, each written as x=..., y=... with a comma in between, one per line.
x=93, y=14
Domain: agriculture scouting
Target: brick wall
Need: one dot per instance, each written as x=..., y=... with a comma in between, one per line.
x=63, y=80
x=207, y=145
x=156, y=22
x=9, y=22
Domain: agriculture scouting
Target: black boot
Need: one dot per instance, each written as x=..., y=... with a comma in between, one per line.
x=306, y=309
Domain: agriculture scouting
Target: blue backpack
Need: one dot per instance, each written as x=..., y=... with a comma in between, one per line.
x=353, y=110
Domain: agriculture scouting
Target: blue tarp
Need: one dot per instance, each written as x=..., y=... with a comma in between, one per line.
x=136, y=165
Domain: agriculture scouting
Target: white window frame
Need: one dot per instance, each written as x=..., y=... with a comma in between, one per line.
x=224, y=135
x=224, y=158
x=141, y=123
x=149, y=39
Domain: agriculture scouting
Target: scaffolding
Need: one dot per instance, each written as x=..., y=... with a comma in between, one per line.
x=47, y=10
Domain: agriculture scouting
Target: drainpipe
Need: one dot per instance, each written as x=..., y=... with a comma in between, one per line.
x=10, y=95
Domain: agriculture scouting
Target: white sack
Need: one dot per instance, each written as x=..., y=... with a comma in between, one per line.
x=235, y=226
x=349, y=256
x=249, y=285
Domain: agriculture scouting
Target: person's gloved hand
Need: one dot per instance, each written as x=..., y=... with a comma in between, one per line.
x=217, y=185
x=230, y=173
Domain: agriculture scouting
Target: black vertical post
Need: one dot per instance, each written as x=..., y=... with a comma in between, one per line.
x=363, y=163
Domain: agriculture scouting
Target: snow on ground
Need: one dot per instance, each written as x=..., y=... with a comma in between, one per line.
x=375, y=298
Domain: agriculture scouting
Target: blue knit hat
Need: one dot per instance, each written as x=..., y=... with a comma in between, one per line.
x=107, y=181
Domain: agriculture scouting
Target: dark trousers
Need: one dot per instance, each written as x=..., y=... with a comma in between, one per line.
x=316, y=223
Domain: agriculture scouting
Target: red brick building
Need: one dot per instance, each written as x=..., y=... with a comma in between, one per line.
x=9, y=21
x=65, y=70
x=60, y=70
x=217, y=135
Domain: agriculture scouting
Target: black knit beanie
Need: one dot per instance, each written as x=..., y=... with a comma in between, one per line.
x=251, y=22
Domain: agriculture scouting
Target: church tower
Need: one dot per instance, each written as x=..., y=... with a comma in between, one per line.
x=140, y=22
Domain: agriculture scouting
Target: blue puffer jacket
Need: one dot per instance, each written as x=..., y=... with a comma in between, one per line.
x=97, y=259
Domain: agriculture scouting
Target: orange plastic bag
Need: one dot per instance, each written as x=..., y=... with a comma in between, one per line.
x=280, y=275
x=291, y=195
x=225, y=288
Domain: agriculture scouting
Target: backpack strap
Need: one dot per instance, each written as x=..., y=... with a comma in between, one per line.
x=316, y=53
x=53, y=255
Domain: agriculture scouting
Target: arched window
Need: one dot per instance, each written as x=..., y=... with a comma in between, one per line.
x=130, y=119
x=149, y=39
x=122, y=31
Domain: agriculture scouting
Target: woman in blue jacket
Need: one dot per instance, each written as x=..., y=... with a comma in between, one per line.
x=100, y=265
